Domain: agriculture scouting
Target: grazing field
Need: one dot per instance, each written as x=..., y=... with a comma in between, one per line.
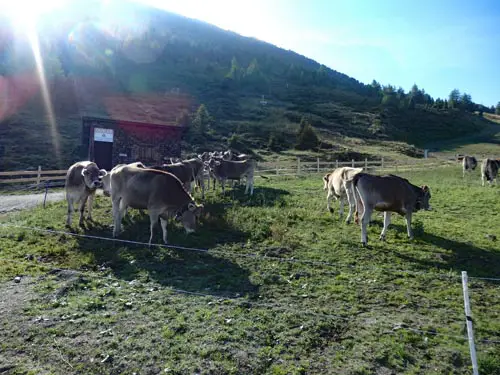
x=284, y=288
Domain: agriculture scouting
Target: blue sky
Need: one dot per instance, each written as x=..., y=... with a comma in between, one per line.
x=439, y=45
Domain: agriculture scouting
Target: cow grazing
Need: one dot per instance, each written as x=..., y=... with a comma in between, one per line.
x=224, y=170
x=388, y=194
x=338, y=183
x=161, y=193
x=489, y=170
x=82, y=180
x=469, y=163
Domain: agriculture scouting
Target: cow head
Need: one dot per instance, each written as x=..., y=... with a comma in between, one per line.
x=423, y=199
x=326, y=177
x=106, y=184
x=92, y=176
x=189, y=215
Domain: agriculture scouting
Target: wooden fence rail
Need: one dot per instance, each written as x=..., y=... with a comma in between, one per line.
x=286, y=168
x=36, y=176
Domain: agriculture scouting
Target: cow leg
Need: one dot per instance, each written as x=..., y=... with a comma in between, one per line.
x=164, y=223
x=387, y=222
x=249, y=185
x=341, y=207
x=222, y=184
x=90, y=204
x=82, y=209
x=71, y=202
x=153, y=218
x=365, y=220
x=408, y=225
x=351, y=201
x=329, y=200
x=201, y=182
x=117, y=218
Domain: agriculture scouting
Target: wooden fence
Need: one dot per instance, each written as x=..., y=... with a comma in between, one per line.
x=40, y=178
x=37, y=177
x=300, y=167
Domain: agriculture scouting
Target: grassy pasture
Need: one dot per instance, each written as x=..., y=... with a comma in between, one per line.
x=253, y=304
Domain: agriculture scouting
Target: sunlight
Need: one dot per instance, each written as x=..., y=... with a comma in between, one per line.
x=26, y=12
x=24, y=15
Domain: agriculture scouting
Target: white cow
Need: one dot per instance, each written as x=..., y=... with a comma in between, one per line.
x=82, y=180
x=339, y=187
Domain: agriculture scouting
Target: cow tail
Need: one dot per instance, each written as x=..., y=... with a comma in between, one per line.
x=357, y=197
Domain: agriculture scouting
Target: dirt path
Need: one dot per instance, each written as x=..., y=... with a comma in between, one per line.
x=9, y=203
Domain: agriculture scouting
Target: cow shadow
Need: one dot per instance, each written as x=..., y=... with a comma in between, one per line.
x=263, y=196
x=461, y=256
x=191, y=268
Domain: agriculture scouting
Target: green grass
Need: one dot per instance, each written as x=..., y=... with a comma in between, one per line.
x=247, y=308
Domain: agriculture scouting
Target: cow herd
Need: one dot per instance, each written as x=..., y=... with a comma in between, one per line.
x=366, y=193
x=165, y=190
x=489, y=168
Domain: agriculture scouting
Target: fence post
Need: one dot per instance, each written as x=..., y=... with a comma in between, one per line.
x=353, y=163
x=468, y=319
x=298, y=166
x=337, y=163
x=366, y=164
x=39, y=175
x=317, y=161
x=382, y=162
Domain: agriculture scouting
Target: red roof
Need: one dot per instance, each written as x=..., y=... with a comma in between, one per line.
x=151, y=108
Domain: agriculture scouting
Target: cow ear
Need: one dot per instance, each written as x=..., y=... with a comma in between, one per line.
x=85, y=172
x=425, y=188
x=192, y=207
x=102, y=173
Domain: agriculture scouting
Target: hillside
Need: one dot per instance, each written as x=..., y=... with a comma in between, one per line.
x=92, y=53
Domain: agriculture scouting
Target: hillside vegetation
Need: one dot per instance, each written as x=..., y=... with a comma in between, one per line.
x=92, y=52
x=284, y=288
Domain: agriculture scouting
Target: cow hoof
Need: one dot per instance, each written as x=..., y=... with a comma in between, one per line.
x=331, y=210
x=364, y=244
x=381, y=238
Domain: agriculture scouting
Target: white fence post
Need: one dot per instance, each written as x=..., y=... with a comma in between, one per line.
x=353, y=163
x=468, y=319
x=39, y=175
x=277, y=168
x=317, y=164
x=366, y=164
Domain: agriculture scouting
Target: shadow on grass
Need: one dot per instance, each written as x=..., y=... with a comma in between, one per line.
x=190, y=270
x=263, y=196
x=462, y=256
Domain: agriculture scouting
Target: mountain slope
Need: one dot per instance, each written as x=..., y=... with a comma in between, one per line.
x=95, y=51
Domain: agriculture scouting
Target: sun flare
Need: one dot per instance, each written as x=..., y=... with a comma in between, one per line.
x=24, y=13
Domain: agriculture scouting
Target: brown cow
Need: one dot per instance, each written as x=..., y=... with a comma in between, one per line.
x=489, y=170
x=224, y=170
x=82, y=180
x=388, y=194
x=469, y=163
x=161, y=193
